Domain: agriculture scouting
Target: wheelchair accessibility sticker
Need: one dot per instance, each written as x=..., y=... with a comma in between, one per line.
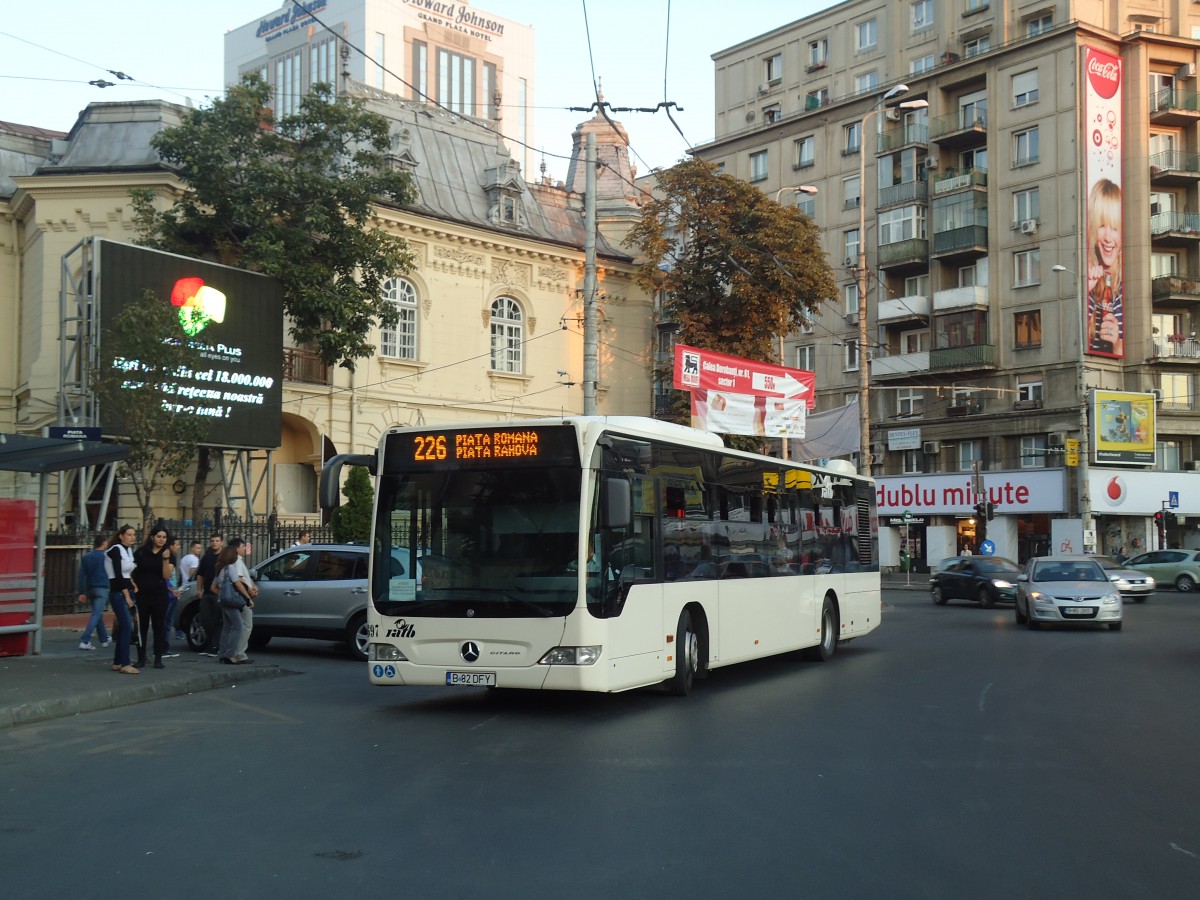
x=383, y=671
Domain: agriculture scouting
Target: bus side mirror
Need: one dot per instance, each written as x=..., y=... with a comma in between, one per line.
x=616, y=504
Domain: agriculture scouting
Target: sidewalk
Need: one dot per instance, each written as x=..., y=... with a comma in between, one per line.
x=65, y=681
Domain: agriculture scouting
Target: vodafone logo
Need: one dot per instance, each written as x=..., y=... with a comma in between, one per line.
x=1104, y=73
x=1115, y=489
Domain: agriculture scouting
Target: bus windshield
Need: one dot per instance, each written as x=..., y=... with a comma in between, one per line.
x=490, y=541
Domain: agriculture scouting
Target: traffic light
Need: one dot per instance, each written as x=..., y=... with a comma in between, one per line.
x=991, y=510
x=981, y=510
x=1159, y=518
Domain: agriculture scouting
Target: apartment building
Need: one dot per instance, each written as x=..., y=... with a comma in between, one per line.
x=955, y=145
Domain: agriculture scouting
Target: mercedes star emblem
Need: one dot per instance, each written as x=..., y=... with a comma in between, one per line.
x=470, y=651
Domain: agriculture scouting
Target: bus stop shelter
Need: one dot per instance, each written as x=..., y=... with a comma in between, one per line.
x=22, y=591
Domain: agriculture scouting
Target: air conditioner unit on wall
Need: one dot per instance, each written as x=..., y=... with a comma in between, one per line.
x=1029, y=226
x=1056, y=439
x=931, y=162
x=931, y=447
x=764, y=88
x=1157, y=392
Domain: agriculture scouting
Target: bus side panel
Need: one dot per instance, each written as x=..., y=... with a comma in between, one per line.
x=763, y=616
x=634, y=643
x=860, y=603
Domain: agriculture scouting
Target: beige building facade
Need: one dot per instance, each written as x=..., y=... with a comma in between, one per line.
x=951, y=140
x=491, y=314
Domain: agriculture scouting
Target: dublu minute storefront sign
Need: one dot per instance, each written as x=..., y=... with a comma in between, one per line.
x=1014, y=493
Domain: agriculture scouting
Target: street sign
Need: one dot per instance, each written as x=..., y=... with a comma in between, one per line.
x=1173, y=499
x=1072, y=452
x=987, y=548
x=908, y=517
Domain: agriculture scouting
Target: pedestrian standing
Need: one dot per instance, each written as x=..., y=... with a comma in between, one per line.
x=229, y=580
x=93, y=589
x=304, y=538
x=151, y=573
x=187, y=573
x=120, y=595
x=210, y=610
x=172, y=594
x=246, y=613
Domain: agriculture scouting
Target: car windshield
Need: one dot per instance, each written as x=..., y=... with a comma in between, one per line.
x=1068, y=571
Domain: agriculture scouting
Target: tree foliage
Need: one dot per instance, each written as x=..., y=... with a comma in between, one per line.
x=146, y=342
x=352, y=520
x=290, y=197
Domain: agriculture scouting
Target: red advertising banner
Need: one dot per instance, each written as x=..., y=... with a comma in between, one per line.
x=706, y=370
x=1104, y=284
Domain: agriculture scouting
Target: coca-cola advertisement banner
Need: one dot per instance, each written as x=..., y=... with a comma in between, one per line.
x=1104, y=285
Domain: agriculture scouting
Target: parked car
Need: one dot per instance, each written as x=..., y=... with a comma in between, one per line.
x=988, y=579
x=1178, y=567
x=1132, y=584
x=308, y=591
x=1055, y=589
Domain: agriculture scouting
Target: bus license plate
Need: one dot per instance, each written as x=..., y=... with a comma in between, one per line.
x=473, y=679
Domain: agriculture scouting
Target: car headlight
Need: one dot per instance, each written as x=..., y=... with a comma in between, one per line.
x=1038, y=597
x=1002, y=584
x=1110, y=599
x=1150, y=582
x=571, y=656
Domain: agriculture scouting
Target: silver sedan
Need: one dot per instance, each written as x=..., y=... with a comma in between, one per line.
x=1058, y=589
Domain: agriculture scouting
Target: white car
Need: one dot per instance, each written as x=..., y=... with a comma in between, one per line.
x=1055, y=589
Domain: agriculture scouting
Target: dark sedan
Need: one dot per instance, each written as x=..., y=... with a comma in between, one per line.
x=988, y=579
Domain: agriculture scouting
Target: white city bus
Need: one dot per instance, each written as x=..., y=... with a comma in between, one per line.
x=603, y=554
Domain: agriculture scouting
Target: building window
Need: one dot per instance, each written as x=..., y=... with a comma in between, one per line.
x=903, y=224
x=1033, y=451
x=805, y=152
x=851, y=359
x=816, y=99
x=1029, y=391
x=977, y=46
x=1026, y=206
x=867, y=81
x=772, y=113
x=914, y=341
x=1027, y=329
x=922, y=15
x=1167, y=456
x=916, y=286
x=818, y=54
x=912, y=462
x=456, y=82
x=380, y=61
x=400, y=341
x=322, y=63
x=420, y=71
x=965, y=329
x=853, y=137
x=1025, y=88
x=806, y=358
x=1039, y=25
x=910, y=402
x=851, y=192
x=806, y=203
x=850, y=242
x=508, y=335
x=865, y=35
x=968, y=452
x=1176, y=388
x=758, y=165
x=850, y=292
x=773, y=69
x=977, y=5
x=922, y=64
x=288, y=90
x=1025, y=147
x=490, y=90
x=1027, y=267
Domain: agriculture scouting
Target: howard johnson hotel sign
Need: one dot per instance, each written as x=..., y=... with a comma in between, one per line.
x=289, y=19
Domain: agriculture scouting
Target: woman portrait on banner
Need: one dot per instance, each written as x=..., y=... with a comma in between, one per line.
x=1105, y=323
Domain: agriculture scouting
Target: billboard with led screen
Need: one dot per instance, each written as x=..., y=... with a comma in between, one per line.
x=233, y=319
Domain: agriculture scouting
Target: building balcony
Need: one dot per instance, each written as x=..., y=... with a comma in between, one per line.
x=1173, y=167
x=913, y=252
x=1175, y=228
x=965, y=128
x=1176, y=348
x=304, y=366
x=952, y=180
x=960, y=298
x=971, y=239
x=902, y=365
x=1171, y=106
x=1175, y=288
x=903, y=136
x=902, y=309
x=899, y=194
x=978, y=356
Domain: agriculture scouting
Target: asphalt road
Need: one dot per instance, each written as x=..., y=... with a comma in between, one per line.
x=948, y=755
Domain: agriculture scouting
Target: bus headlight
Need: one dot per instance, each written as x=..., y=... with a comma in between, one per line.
x=386, y=653
x=571, y=656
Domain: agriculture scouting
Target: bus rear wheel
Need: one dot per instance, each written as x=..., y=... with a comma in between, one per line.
x=687, y=657
x=829, y=635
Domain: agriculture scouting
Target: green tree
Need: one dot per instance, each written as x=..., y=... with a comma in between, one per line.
x=290, y=197
x=736, y=270
x=352, y=520
x=145, y=343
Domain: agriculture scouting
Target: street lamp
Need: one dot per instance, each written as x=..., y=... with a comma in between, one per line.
x=864, y=382
x=1085, y=497
x=811, y=190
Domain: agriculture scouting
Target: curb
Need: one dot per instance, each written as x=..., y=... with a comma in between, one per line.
x=128, y=695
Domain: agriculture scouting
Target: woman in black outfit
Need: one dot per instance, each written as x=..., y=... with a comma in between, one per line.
x=120, y=565
x=152, y=571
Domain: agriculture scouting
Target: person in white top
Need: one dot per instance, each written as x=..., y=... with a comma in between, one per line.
x=242, y=573
x=189, y=564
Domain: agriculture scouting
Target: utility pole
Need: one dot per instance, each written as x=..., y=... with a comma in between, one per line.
x=591, y=315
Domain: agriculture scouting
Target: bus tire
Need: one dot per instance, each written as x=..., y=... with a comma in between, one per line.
x=687, y=657
x=829, y=634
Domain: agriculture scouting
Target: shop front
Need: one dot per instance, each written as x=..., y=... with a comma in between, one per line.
x=1124, y=504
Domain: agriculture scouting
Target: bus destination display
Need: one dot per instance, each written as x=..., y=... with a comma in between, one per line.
x=483, y=445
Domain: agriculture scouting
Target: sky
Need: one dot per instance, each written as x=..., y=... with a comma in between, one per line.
x=50, y=50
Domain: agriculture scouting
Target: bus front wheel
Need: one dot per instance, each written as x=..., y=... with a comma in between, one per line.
x=829, y=634
x=687, y=657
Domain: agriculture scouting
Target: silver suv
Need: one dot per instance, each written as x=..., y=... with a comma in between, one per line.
x=307, y=591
